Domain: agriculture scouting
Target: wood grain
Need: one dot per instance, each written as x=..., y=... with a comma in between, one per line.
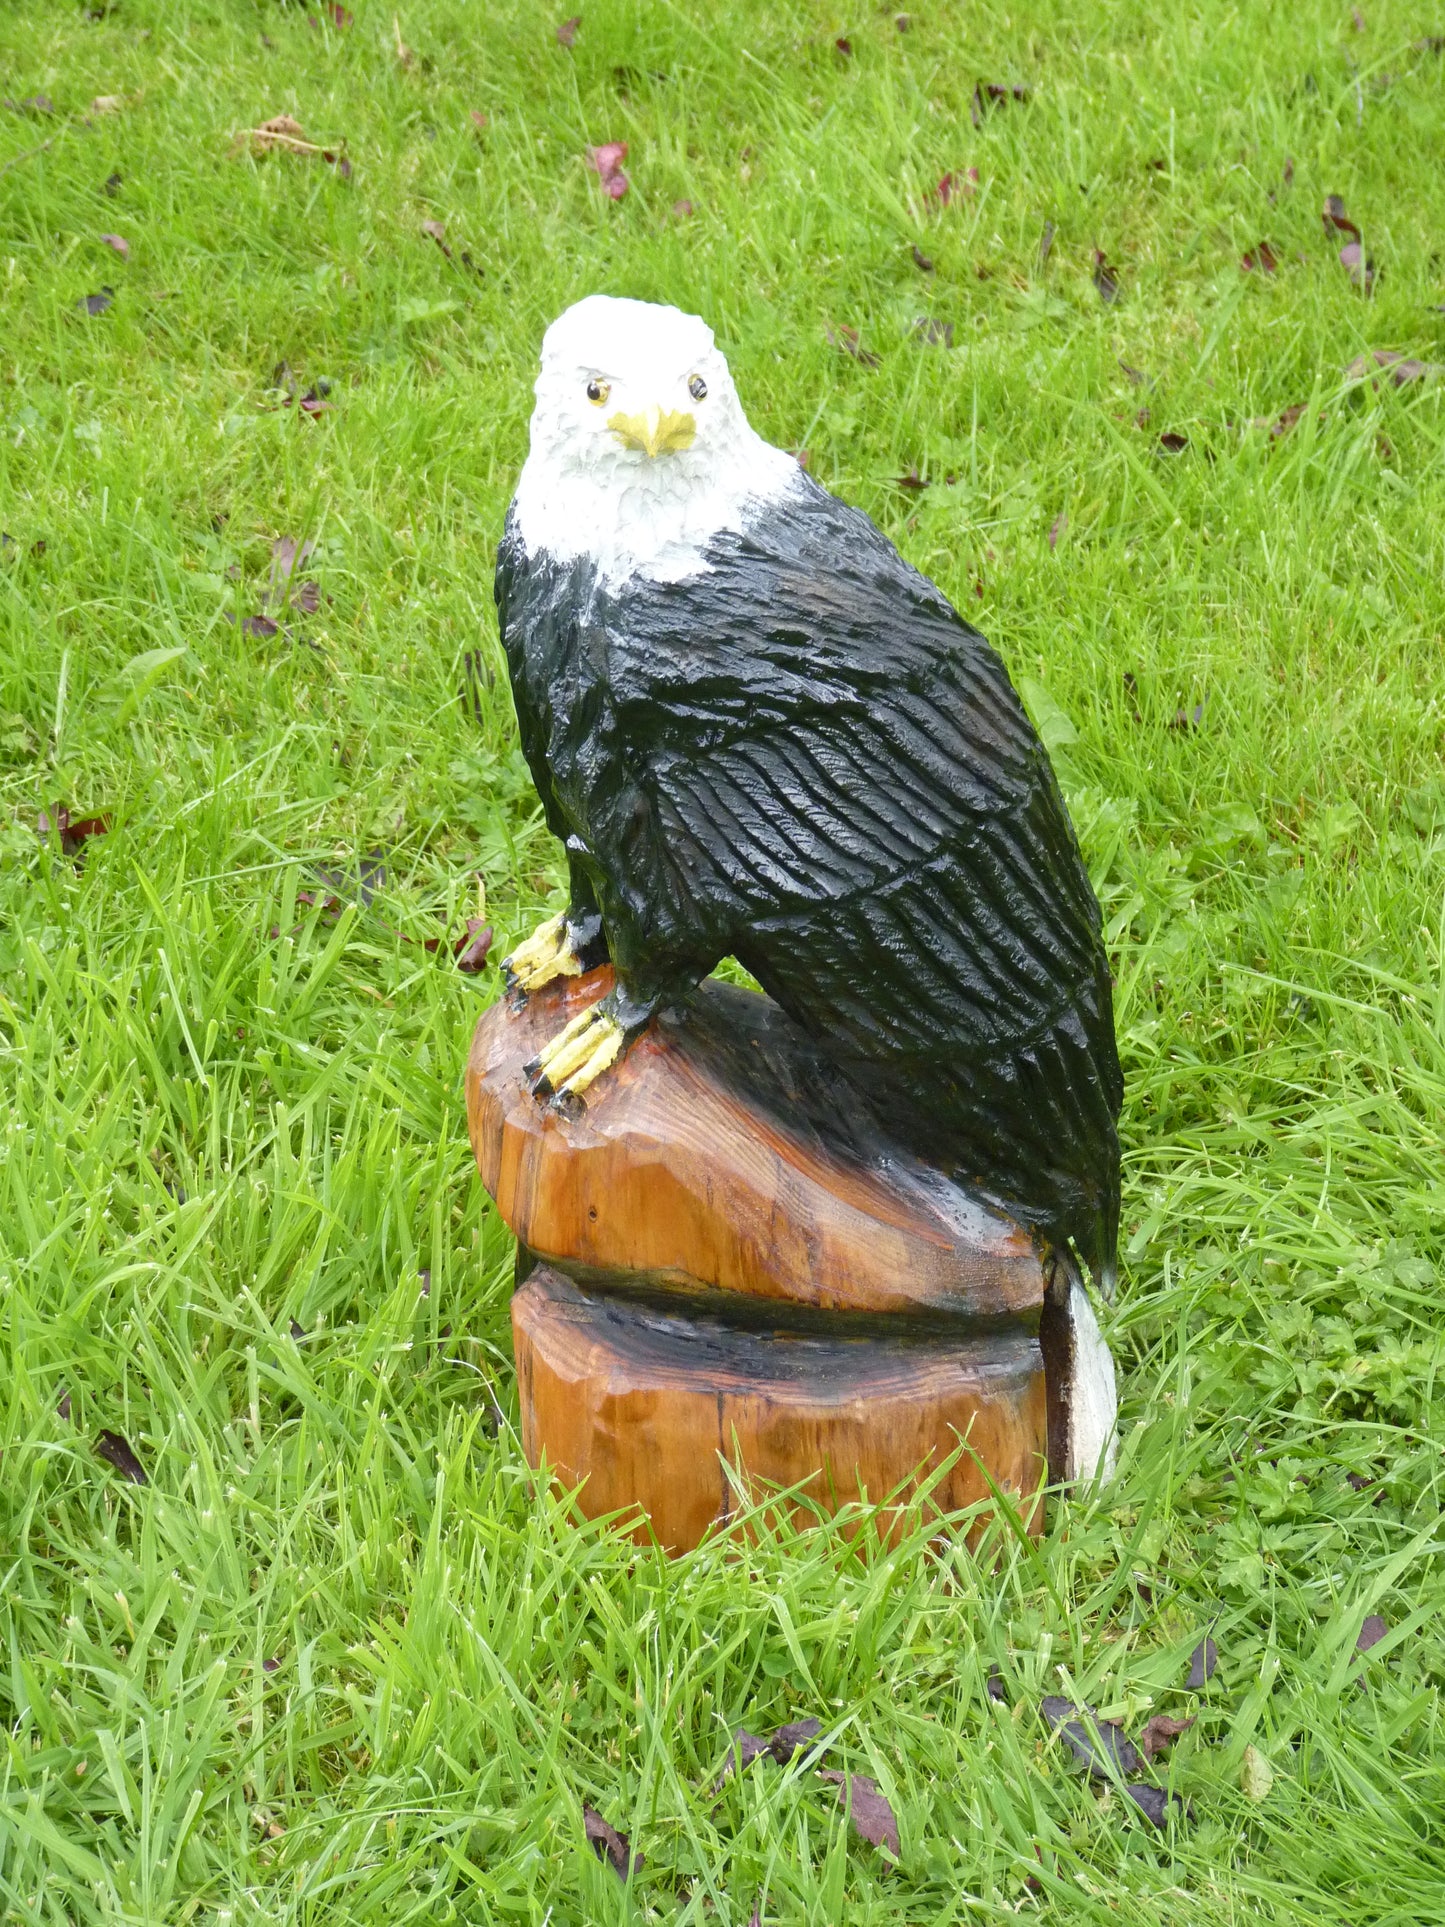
x=724, y=1153
x=641, y=1407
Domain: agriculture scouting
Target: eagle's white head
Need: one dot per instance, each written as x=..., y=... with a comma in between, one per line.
x=640, y=449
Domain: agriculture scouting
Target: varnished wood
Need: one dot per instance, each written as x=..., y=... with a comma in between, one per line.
x=645, y=1408
x=723, y=1153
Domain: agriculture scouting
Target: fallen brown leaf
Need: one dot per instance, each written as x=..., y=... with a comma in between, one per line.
x=116, y=1451
x=1202, y=1664
x=1334, y=217
x=567, y=32
x=1262, y=258
x=112, y=185
x=1359, y=266
x=955, y=187
x=1160, y=1731
x=479, y=120
x=1172, y=442
x=74, y=832
x=97, y=303
x=1106, y=279
x=921, y=260
x=1046, y=243
x=284, y=134
x=1155, y=1804
x=1372, y=1631
x=606, y=162
x=1402, y=369
x=117, y=243
x=867, y=1808
x=989, y=94
x=1060, y=523
x=610, y=1845
x=1100, y=1746
x=472, y=948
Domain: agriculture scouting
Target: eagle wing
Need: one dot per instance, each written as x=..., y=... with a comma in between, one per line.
x=805, y=758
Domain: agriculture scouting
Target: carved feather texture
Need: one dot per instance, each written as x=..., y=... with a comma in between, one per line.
x=804, y=758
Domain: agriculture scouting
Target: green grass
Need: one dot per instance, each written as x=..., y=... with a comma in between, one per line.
x=211, y=1132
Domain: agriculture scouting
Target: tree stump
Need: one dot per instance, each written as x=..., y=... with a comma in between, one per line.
x=723, y=1263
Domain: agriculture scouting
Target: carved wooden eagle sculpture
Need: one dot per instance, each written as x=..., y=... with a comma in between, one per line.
x=761, y=734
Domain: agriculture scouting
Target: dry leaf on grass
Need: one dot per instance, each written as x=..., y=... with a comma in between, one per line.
x=1099, y=1746
x=610, y=1845
x=117, y=243
x=955, y=187
x=989, y=94
x=1202, y=1664
x=74, y=832
x=1401, y=367
x=107, y=104
x=1155, y=1804
x=117, y=1452
x=284, y=134
x=567, y=32
x=1161, y=1731
x=1371, y=1633
x=1106, y=279
x=606, y=162
x=867, y=1808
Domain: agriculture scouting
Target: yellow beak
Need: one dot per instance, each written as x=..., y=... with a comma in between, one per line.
x=657, y=431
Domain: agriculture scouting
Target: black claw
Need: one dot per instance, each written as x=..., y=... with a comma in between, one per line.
x=541, y=1089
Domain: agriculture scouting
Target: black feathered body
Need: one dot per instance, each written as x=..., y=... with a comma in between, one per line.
x=803, y=757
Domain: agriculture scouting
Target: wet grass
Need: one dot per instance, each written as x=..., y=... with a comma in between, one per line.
x=337, y=1659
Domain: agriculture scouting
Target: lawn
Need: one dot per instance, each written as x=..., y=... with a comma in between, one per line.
x=288, y=1632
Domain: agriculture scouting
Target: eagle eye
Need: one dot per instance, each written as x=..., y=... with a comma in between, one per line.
x=696, y=387
x=598, y=391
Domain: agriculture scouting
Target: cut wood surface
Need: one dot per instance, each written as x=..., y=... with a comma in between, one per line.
x=646, y=1408
x=724, y=1152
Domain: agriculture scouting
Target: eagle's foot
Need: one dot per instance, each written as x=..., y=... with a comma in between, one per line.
x=540, y=958
x=576, y=1057
x=567, y=945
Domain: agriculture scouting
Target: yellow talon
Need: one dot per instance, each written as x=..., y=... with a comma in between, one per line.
x=545, y=955
x=577, y=1056
x=606, y=1053
x=553, y=1048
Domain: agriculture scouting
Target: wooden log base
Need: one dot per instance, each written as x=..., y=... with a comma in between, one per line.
x=736, y=1265
x=647, y=1408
